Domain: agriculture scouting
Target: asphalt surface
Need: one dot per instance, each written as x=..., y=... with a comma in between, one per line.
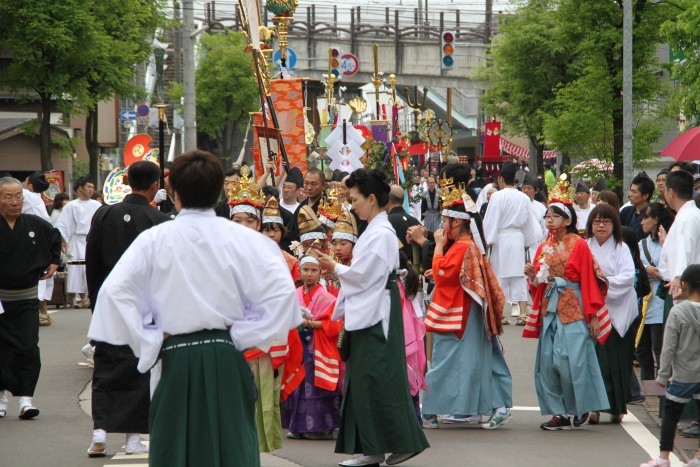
x=61, y=434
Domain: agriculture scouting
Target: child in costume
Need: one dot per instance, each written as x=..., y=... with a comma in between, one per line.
x=312, y=411
x=273, y=228
x=469, y=376
x=568, y=314
x=342, y=242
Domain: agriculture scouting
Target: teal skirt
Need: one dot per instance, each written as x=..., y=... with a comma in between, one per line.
x=202, y=412
x=567, y=376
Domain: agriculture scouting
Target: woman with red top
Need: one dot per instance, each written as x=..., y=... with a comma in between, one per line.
x=568, y=293
x=469, y=376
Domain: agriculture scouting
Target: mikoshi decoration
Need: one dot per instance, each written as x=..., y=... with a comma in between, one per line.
x=136, y=148
x=345, y=148
x=116, y=185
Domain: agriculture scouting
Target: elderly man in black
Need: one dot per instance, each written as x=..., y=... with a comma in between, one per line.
x=30, y=250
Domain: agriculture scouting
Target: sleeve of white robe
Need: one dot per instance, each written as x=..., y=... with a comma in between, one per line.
x=66, y=223
x=269, y=294
x=365, y=272
x=675, y=251
x=621, y=284
x=493, y=213
x=123, y=315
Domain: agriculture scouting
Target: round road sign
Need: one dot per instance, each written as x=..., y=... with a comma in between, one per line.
x=291, y=58
x=350, y=65
x=142, y=110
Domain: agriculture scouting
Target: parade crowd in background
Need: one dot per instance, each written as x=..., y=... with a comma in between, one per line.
x=347, y=308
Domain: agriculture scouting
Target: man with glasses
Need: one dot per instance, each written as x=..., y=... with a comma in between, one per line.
x=30, y=250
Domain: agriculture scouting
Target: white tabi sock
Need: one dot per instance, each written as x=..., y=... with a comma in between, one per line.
x=99, y=436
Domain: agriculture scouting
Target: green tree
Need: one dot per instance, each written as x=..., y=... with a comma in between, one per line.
x=683, y=34
x=73, y=54
x=226, y=89
x=527, y=62
x=49, y=41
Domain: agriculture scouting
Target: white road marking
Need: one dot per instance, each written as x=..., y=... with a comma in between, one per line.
x=645, y=438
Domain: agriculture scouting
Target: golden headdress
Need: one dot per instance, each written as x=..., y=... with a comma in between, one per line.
x=271, y=213
x=346, y=227
x=311, y=255
x=455, y=200
x=329, y=210
x=310, y=228
x=244, y=195
x=562, y=191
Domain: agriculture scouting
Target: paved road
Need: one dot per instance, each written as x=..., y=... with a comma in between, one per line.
x=62, y=432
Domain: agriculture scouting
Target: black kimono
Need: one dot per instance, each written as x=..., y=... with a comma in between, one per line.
x=26, y=251
x=120, y=393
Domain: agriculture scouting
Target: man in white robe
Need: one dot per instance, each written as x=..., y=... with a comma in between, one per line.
x=583, y=205
x=682, y=245
x=197, y=275
x=74, y=225
x=32, y=187
x=510, y=227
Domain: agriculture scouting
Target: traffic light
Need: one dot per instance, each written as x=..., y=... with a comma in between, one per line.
x=336, y=58
x=448, y=49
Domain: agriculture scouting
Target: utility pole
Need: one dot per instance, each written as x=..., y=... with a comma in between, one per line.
x=189, y=108
x=627, y=113
x=177, y=59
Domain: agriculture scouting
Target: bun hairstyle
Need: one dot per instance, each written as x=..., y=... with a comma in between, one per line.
x=370, y=182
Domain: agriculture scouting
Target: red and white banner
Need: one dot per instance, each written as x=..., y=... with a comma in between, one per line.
x=492, y=140
x=521, y=152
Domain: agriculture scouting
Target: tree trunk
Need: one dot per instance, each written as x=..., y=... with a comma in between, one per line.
x=91, y=144
x=539, y=156
x=45, y=133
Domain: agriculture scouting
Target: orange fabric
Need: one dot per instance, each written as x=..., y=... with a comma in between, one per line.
x=477, y=276
x=446, y=312
x=293, y=373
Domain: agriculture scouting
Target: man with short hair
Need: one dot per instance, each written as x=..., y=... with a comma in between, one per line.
x=314, y=189
x=682, y=245
x=74, y=225
x=225, y=289
x=30, y=250
x=509, y=227
x=120, y=394
x=400, y=220
x=640, y=193
x=583, y=206
x=232, y=176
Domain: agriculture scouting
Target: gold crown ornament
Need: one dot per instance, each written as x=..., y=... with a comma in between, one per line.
x=244, y=192
x=329, y=210
x=315, y=248
x=562, y=191
x=271, y=212
x=346, y=227
x=456, y=195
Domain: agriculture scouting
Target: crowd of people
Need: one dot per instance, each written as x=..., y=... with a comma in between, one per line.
x=322, y=327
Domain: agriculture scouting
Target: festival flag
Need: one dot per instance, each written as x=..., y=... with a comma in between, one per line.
x=492, y=140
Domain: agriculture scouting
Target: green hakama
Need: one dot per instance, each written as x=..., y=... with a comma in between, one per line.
x=378, y=415
x=267, y=405
x=203, y=409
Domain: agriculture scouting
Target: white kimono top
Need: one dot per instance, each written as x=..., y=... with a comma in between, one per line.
x=682, y=245
x=199, y=272
x=74, y=224
x=364, y=299
x=616, y=262
x=510, y=226
x=34, y=204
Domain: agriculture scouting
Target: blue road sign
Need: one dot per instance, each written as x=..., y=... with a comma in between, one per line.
x=127, y=114
x=291, y=58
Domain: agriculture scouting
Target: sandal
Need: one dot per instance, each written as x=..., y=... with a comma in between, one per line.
x=520, y=321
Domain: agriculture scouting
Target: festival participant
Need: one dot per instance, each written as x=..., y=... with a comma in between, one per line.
x=568, y=293
x=680, y=365
x=377, y=412
x=583, y=205
x=595, y=191
x=246, y=200
x=312, y=411
x=430, y=207
x=310, y=229
x=468, y=376
x=343, y=242
x=293, y=183
x=399, y=219
x=33, y=203
x=510, y=227
x=120, y=394
x=273, y=228
x=614, y=258
x=682, y=245
x=608, y=197
x=314, y=190
x=654, y=216
x=173, y=306
x=30, y=250
x=74, y=225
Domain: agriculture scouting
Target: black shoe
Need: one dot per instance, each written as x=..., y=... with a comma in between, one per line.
x=579, y=422
x=558, y=422
x=638, y=401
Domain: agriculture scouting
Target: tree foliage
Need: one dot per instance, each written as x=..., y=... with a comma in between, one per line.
x=683, y=34
x=227, y=90
x=71, y=54
x=556, y=76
